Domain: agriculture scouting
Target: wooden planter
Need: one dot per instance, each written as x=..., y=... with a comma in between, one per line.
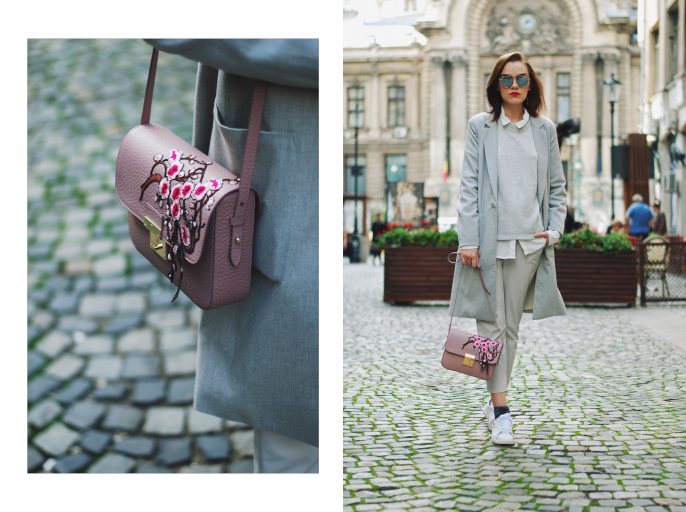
x=595, y=278
x=417, y=273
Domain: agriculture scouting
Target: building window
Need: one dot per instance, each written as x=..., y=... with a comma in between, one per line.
x=673, y=43
x=355, y=106
x=350, y=175
x=396, y=105
x=410, y=5
x=396, y=168
x=564, y=86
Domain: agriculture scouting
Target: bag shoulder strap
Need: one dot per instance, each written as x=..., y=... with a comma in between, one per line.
x=249, y=153
x=483, y=285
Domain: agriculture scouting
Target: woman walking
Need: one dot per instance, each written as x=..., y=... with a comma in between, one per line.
x=511, y=212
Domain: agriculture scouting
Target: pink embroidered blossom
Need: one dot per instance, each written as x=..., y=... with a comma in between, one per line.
x=176, y=210
x=173, y=170
x=489, y=356
x=200, y=190
x=176, y=192
x=164, y=188
x=185, y=235
x=174, y=155
x=214, y=184
x=186, y=190
x=175, y=248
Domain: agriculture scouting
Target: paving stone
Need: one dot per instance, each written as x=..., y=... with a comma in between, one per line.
x=42, y=319
x=113, y=463
x=83, y=415
x=32, y=333
x=95, y=441
x=243, y=443
x=242, y=466
x=137, y=340
x=41, y=386
x=122, y=323
x=165, y=421
x=143, y=279
x=35, y=459
x=214, y=448
x=123, y=417
x=44, y=412
x=98, y=305
x=201, y=423
x=66, y=367
x=112, y=284
x=64, y=303
x=112, y=392
x=54, y=343
x=73, y=463
x=136, y=446
x=104, y=367
x=97, y=344
x=76, y=389
x=99, y=247
x=35, y=362
x=198, y=468
x=177, y=339
x=74, y=323
x=56, y=440
x=140, y=366
x=147, y=392
x=110, y=265
x=83, y=284
x=173, y=452
x=181, y=391
x=132, y=302
x=180, y=363
x=169, y=318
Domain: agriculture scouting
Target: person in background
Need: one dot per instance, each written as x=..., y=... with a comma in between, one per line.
x=616, y=227
x=378, y=227
x=659, y=223
x=638, y=218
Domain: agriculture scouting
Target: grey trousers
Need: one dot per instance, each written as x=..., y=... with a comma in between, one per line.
x=275, y=453
x=512, y=280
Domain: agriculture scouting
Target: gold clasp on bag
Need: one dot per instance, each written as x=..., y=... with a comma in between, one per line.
x=469, y=360
x=156, y=243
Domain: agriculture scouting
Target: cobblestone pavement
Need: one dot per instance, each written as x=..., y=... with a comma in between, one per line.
x=111, y=361
x=599, y=418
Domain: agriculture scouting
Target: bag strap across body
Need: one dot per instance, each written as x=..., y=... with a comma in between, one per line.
x=249, y=154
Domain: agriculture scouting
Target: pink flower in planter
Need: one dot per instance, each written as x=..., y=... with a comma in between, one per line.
x=186, y=190
x=176, y=210
x=164, y=188
x=176, y=192
x=214, y=184
x=200, y=191
x=185, y=235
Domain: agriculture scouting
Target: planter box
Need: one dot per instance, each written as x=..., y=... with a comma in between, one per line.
x=417, y=273
x=595, y=278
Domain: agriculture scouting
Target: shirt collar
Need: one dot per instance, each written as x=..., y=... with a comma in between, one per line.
x=505, y=120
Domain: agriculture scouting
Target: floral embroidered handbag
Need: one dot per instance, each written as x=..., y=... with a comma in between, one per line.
x=469, y=353
x=189, y=216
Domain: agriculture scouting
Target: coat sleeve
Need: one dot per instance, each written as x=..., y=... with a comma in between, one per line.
x=468, y=203
x=290, y=62
x=557, y=198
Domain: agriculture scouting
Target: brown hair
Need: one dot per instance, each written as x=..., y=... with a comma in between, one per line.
x=534, y=102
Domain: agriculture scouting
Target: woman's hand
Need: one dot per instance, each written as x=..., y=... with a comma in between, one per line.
x=543, y=234
x=470, y=257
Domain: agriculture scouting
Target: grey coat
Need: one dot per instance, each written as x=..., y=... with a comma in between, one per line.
x=477, y=222
x=258, y=359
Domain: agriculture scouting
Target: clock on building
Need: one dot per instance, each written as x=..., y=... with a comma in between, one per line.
x=527, y=22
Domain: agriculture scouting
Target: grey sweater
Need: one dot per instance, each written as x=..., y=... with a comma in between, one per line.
x=518, y=213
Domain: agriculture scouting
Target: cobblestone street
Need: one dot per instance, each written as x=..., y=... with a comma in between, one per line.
x=597, y=400
x=111, y=361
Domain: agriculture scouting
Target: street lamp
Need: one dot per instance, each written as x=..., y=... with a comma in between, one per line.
x=613, y=96
x=354, y=241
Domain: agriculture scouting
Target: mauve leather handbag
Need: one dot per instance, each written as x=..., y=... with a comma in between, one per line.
x=189, y=216
x=468, y=353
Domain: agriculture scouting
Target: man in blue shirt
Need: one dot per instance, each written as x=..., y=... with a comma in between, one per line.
x=638, y=216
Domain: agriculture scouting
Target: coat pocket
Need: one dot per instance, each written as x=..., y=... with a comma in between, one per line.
x=274, y=166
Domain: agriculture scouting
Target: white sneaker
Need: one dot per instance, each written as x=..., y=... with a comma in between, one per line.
x=502, y=430
x=489, y=413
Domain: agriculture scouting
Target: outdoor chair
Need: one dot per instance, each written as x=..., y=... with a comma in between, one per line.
x=656, y=253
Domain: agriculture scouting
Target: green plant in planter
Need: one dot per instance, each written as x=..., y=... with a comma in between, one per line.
x=417, y=238
x=611, y=243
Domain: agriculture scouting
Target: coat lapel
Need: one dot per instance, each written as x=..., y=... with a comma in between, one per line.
x=491, y=149
x=541, y=143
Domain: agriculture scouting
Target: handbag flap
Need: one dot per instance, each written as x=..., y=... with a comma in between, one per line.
x=462, y=342
x=159, y=175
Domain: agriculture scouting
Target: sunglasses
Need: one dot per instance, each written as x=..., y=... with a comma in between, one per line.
x=508, y=80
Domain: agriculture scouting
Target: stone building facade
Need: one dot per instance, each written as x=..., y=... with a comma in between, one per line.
x=662, y=33
x=575, y=45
